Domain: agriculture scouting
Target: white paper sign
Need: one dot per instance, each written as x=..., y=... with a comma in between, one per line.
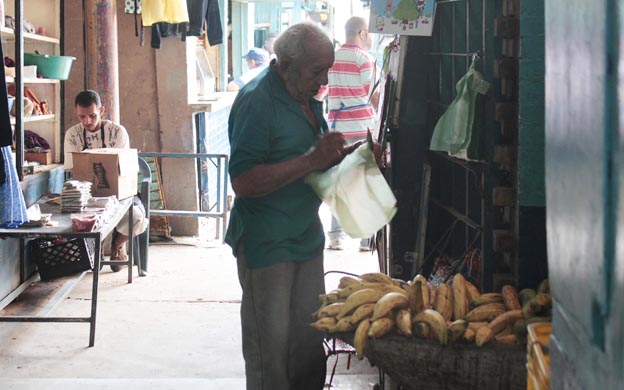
x=403, y=17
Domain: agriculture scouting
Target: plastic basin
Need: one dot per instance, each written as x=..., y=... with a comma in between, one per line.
x=50, y=67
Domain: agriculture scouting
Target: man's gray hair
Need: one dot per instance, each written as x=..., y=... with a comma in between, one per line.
x=354, y=25
x=291, y=44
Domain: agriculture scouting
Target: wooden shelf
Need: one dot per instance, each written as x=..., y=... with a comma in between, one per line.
x=35, y=118
x=11, y=79
x=9, y=35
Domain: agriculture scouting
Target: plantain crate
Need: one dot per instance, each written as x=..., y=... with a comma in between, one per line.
x=419, y=364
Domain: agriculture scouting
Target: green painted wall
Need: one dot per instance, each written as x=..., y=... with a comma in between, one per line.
x=531, y=105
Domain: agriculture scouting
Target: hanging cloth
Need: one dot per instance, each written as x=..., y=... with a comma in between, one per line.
x=207, y=11
x=169, y=11
x=6, y=131
x=133, y=7
x=453, y=132
x=12, y=205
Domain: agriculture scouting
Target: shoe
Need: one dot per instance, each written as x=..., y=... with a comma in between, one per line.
x=335, y=244
x=118, y=253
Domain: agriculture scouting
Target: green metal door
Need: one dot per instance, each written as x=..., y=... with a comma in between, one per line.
x=584, y=185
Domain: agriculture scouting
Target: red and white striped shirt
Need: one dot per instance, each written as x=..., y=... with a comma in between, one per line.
x=350, y=81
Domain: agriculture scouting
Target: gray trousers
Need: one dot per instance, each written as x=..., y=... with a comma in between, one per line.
x=281, y=350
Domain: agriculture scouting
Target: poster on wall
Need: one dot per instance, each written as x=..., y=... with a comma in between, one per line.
x=403, y=17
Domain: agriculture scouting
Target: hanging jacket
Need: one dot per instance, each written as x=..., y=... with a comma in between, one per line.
x=201, y=11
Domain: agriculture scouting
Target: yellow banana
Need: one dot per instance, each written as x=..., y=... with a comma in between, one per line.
x=433, y=294
x=473, y=291
x=476, y=325
x=389, y=302
x=360, y=337
x=346, y=281
x=425, y=289
x=444, y=301
x=435, y=321
x=324, y=324
x=360, y=297
x=510, y=296
x=415, y=298
x=421, y=329
x=484, y=336
x=344, y=293
x=381, y=327
x=504, y=320
x=330, y=297
x=488, y=298
x=362, y=312
x=485, y=312
x=376, y=277
x=507, y=339
x=400, y=283
x=330, y=310
x=456, y=329
x=344, y=325
x=460, y=300
x=404, y=322
x=469, y=335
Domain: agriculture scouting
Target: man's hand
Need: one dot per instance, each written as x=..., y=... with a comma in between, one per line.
x=377, y=152
x=329, y=150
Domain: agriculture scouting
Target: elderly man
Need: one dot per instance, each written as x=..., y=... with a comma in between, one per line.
x=278, y=135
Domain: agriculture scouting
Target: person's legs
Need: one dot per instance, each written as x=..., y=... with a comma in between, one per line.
x=120, y=233
x=365, y=244
x=265, y=322
x=336, y=234
x=307, y=361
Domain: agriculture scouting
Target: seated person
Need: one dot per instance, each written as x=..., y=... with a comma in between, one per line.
x=257, y=61
x=94, y=132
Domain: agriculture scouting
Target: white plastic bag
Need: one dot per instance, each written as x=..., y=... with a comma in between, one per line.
x=356, y=192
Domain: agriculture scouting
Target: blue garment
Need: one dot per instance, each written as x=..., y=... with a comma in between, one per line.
x=12, y=205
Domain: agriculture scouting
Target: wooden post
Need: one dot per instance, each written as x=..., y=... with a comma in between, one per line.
x=102, y=59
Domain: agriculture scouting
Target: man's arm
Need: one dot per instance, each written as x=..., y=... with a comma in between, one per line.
x=70, y=144
x=266, y=178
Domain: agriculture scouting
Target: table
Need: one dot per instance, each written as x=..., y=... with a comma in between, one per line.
x=63, y=229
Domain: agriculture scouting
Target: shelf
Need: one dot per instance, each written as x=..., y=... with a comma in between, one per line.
x=8, y=34
x=11, y=79
x=35, y=118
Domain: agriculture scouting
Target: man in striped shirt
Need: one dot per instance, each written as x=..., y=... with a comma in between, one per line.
x=350, y=83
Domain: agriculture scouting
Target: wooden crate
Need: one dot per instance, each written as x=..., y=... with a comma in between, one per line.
x=44, y=158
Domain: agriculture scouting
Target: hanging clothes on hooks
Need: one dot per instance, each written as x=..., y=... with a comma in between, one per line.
x=169, y=11
x=207, y=11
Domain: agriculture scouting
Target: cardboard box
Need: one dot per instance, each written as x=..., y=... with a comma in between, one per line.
x=43, y=158
x=111, y=171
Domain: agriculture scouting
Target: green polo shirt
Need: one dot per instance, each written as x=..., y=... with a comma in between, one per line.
x=267, y=126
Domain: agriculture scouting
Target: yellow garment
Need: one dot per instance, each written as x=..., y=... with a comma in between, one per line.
x=169, y=11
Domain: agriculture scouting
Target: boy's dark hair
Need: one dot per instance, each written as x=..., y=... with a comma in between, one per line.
x=87, y=98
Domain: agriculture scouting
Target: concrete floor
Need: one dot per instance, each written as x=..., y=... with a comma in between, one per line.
x=177, y=328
